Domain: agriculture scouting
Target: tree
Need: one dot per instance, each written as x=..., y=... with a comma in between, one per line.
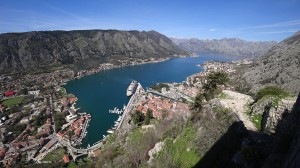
x=197, y=105
x=137, y=117
x=23, y=91
x=148, y=117
x=213, y=80
x=217, y=78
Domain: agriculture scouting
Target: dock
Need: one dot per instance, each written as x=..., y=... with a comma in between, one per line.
x=130, y=105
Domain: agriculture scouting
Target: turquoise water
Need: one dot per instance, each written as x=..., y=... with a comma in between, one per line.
x=100, y=92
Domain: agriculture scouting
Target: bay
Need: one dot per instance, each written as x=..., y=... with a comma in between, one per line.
x=105, y=90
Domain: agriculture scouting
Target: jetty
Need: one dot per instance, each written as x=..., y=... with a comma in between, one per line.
x=130, y=105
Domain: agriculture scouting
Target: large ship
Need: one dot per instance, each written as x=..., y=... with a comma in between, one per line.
x=131, y=88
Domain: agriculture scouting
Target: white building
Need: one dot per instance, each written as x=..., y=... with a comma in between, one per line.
x=71, y=117
x=34, y=92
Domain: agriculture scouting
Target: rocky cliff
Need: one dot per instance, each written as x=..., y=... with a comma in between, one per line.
x=285, y=152
x=41, y=49
x=279, y=66
x=272, y=110
x=232, y=47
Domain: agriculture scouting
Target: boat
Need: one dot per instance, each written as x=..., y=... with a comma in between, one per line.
x=110, y=131
x=131, y=88
x=115, y=111
x=119, y=119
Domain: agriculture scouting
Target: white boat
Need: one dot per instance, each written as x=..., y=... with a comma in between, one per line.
x=110, y=131
x=115, y=111
x=131, y=88
x=119, y=119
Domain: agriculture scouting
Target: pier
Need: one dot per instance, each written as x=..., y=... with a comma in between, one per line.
x=131, y=102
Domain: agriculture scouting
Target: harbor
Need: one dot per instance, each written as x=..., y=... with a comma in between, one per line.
x=138, y=89
x=98, y=93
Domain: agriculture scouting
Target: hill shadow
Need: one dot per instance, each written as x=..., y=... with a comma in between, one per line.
x=222, y=151
x=239, y=147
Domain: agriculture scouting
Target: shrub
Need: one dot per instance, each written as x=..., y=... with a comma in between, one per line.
x=272, y=91
x=148, y=117
x=137, y=117
x=159, y=86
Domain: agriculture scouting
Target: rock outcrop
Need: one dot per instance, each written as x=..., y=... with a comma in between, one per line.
x=43, y=49
x=272, y=110
x=286, y=149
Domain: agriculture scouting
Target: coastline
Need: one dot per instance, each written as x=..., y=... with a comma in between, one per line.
x=108, y=66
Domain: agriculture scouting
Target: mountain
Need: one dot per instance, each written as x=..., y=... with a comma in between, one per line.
x=42, y=49
x=279, y=66
x=228, y=46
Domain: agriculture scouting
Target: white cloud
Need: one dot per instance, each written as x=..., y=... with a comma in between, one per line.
x=290, y=23
x=278, y=32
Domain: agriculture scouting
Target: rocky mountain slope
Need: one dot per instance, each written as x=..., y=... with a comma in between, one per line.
x=40, y=49
x=228, y=46
x=279, y=66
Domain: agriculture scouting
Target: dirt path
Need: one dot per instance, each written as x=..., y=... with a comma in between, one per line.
x=237, y=102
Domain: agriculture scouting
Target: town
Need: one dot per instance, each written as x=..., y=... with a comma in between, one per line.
x=38, y=115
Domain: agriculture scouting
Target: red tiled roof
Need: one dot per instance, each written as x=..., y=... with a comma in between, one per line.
x=60, y=134
x=78, y=131
x=2, y=152
x=73, y=99
x=66, y=158
x=9, y=93
x=140, y=108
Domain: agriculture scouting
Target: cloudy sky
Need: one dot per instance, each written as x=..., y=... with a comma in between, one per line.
x=254, y=20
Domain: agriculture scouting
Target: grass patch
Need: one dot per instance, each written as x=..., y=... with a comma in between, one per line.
x=255, y=118
x=55, y=156
x=70, y=95
x=182, y=150
x=110, y=139
x=13, y=101
x=275, y=99
x=271, y=91
x=62, y=91
x=72, y=165
x=136, y=135
x=224, y=96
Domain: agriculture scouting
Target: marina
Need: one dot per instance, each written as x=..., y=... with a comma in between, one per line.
x=116, y=111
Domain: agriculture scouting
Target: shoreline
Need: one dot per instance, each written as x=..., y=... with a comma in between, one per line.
x=108, y=67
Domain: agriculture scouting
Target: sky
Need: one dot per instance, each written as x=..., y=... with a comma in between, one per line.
x=254, y=20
